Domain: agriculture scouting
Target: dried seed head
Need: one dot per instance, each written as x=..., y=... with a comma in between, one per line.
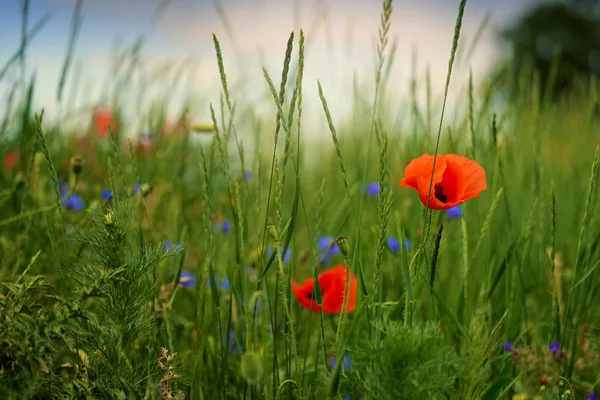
x=77, y=165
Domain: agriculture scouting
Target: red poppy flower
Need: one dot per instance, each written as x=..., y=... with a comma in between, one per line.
x=332, y=283
x=456, y=179
x=11, y=160
x=103, y=119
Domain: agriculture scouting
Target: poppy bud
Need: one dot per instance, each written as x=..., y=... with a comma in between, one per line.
x=342, y=243
x=273, y=231
x=252, y=367
x=544, y=380
x=77, y=165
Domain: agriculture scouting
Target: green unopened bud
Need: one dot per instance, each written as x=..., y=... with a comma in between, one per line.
x=146, y=189
x=108, y=219
x=252, y=367
x=342, y=243
x=273, y=231
x=77, y=165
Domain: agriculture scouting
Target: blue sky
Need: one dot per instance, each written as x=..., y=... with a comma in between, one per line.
x=340, y=45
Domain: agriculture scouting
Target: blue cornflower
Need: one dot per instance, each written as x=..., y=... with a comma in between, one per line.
x=373, y=189
x=136, y=189
x=592, y=396
x=394, y=244
x=223, y=285
x=248, y=175
x=346, y=396
x=554, y=347
x=286, y=258
x=454, y=212
x=170, y=246
x=74, y=202
x=187, y=279
x=226, y=226
x=106, y=195
x=324, y=243
x=347, y=361
x=508, y=347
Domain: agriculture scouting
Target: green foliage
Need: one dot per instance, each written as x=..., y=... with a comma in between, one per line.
x=406, y=362
x=38, y=357
x=114, y=275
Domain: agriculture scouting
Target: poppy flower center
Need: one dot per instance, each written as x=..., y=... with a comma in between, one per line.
x=439, y=193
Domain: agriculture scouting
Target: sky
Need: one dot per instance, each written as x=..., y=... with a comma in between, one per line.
x=178, y=60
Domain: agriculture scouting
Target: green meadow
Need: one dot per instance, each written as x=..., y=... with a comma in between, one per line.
x=164, y=267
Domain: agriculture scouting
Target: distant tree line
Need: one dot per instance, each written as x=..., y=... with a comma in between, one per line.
x=559, y=40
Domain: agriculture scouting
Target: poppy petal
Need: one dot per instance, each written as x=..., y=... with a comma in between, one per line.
x=333, y=283
x=475, y=180
x=304, y=294
x=421, y=168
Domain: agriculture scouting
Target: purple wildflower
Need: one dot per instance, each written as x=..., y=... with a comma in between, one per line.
x=508, y=347
x=554, y=347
